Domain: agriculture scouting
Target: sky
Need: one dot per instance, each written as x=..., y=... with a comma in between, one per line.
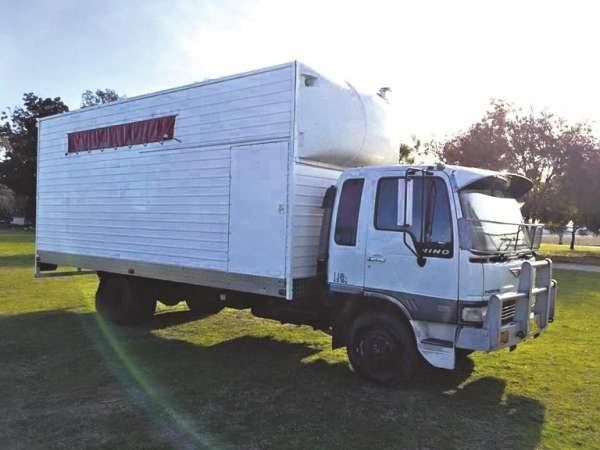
x=444, y=60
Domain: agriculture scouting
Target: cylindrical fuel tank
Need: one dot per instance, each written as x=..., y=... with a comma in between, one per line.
x=341, y=126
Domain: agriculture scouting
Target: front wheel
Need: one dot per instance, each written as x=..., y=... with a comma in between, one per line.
x=381, y=348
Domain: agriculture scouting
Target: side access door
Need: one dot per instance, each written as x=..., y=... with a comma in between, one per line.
x=428, y=291
x=257, y=213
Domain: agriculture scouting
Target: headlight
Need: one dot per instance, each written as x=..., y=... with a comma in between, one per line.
x=474, y=314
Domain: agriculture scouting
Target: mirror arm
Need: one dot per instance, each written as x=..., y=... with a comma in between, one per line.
x=406, y=229
x=417, y=248
x=423, y=209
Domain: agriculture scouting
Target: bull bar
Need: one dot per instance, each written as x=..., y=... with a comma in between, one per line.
x=534, y=308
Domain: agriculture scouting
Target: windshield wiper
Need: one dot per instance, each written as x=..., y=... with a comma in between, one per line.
x=500, y=256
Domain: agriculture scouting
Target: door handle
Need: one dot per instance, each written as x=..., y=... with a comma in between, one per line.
x=376, y=258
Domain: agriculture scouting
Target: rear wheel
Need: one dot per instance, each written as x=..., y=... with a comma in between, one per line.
x=381, y=348
x=207, y=303
x=124, y=300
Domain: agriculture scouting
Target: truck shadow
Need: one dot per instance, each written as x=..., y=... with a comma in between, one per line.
x=61, y=367
x=19, y=260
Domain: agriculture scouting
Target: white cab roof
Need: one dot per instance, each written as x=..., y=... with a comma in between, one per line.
x=462, y=176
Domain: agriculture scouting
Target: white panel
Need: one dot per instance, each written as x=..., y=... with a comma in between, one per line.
x=257, y=218
x=168, y=203
x=339, y=125
x=311, y=182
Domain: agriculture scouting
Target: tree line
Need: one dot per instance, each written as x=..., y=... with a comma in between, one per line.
x=18, y=147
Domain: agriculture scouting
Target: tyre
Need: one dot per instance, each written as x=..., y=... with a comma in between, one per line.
x=124, y=301
x=205, y=304
x=463, y=353
x=382, y=348
x=462, y=358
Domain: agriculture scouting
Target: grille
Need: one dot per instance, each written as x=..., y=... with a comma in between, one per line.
x=509, y=310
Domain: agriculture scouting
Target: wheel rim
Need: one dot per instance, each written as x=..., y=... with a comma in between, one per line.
x=378, y=354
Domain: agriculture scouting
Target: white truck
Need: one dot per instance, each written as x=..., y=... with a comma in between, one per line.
x=279, y=190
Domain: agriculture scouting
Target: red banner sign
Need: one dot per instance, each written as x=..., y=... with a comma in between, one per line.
x=133, y=133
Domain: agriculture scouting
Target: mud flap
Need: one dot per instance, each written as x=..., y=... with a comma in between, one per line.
x=438, y=355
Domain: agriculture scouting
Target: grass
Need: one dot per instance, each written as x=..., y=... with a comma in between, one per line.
x=232, y=381
x=583, y=254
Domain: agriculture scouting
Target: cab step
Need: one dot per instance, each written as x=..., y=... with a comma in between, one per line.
x=438, y=342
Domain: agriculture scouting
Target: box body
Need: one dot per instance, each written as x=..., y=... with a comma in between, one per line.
x=232, y=200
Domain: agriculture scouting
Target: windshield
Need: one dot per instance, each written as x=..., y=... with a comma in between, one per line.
x=491, y=205
x=493, y=218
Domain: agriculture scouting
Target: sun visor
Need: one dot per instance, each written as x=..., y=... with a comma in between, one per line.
x=517, y=185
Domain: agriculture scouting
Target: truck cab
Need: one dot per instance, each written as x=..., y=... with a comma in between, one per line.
x=445, y=251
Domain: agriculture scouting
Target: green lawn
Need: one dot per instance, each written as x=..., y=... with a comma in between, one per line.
x=583, y=254
x=232, y=381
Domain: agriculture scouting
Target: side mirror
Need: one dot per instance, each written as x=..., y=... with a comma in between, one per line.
x=405, y=203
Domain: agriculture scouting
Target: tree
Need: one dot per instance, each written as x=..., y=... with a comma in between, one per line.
x=533, y=145
x=558, y=228
x=581, y=183
x=18, y=137
x=431, y=150
x=7, y=202
x=562, y=160
x=99, y=97
x=407, y=152
x=485, y=144
x=419, y=151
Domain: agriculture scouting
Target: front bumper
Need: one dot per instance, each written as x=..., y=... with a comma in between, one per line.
x=532, y=307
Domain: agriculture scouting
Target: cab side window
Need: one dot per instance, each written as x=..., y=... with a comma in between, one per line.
x=386, y=208
x=431, y=195
x=432, y=220
x=346, y=224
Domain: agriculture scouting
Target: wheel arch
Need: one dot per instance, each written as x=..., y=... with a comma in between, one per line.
x=357, y=304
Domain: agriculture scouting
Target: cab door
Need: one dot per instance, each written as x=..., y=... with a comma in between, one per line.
x=429, y=291
x=346, y=269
